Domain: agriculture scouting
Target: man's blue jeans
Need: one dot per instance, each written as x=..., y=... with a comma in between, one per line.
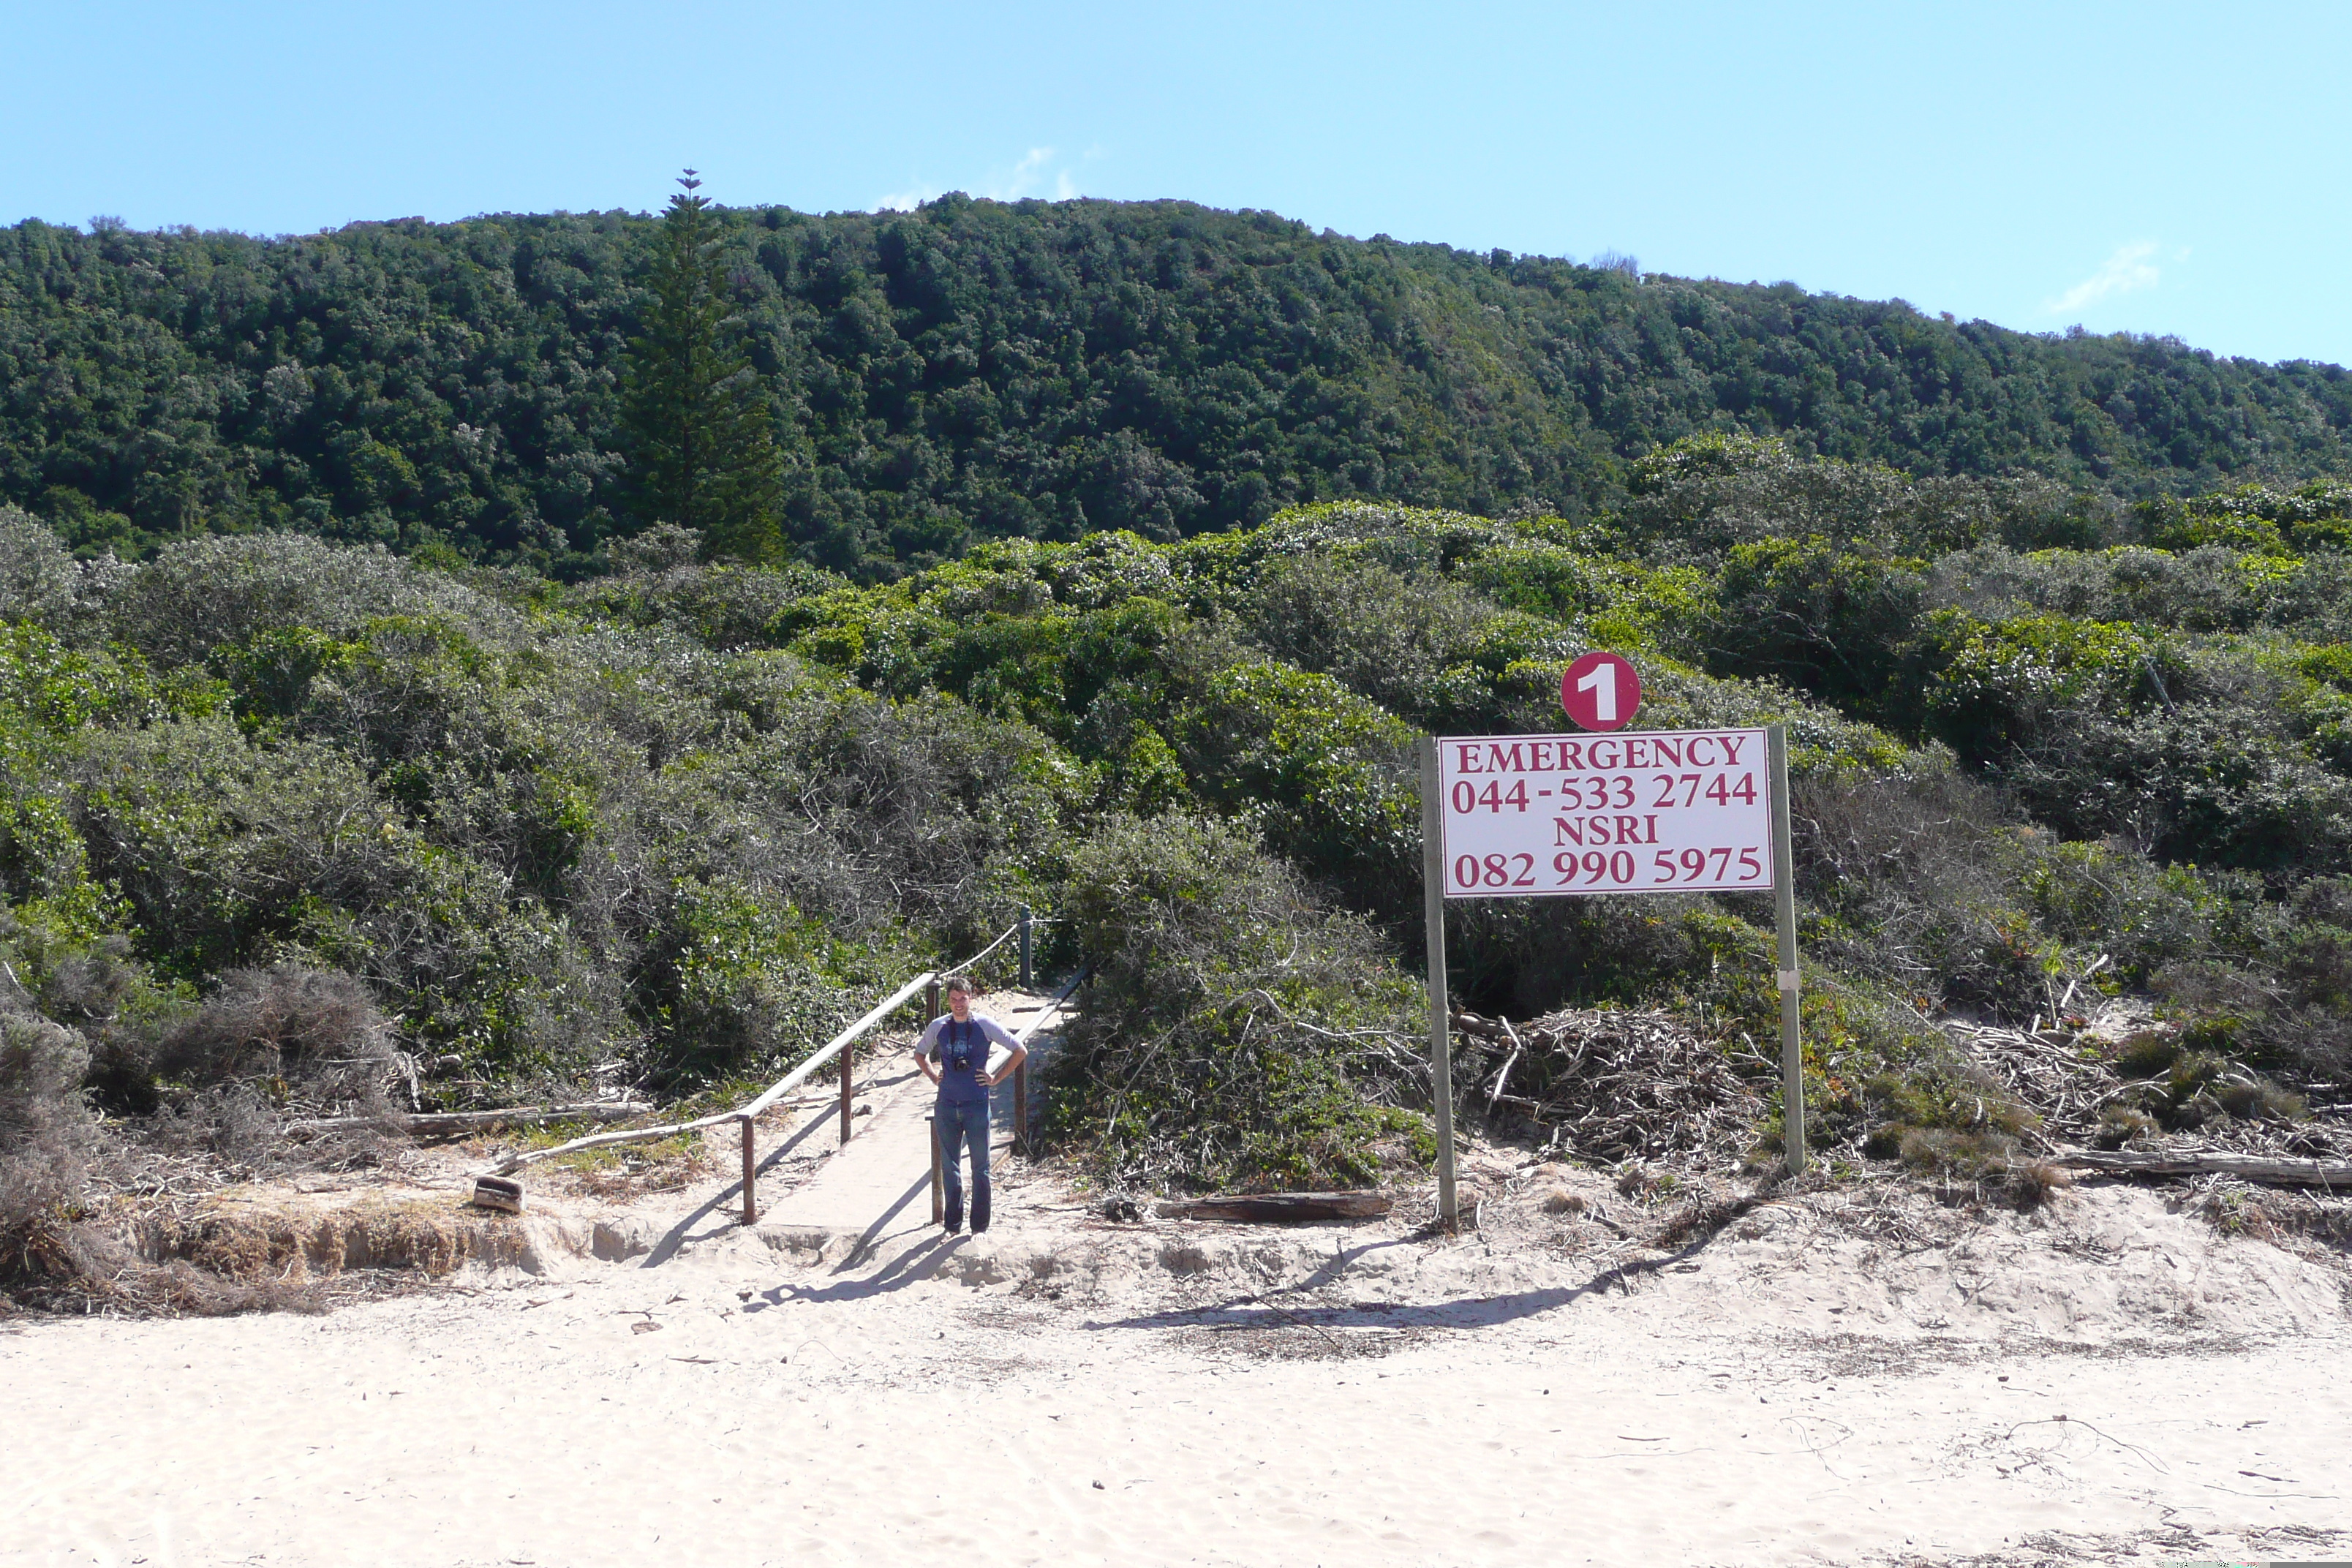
x=957, y=1126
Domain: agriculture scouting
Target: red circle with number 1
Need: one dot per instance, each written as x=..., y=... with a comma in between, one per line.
x=1601, y=691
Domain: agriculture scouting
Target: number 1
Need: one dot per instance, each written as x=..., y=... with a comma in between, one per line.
x=1602, y=682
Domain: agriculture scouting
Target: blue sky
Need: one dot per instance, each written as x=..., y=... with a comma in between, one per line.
x=2151, y=167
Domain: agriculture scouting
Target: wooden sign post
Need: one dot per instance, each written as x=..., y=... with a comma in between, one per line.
x=1441, y=1030
x=1784, y=903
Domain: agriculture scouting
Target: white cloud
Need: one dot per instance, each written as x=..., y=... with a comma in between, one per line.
x=906, y=201
x=1023, y=181
x=1038, y=171
x=2128, y=268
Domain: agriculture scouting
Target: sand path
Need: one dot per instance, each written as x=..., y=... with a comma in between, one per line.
x=777, y=1416
x=2107, y=1382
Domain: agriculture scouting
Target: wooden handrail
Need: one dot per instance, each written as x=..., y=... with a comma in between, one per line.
x=522, y=1157
x=791, y=1081
x=784, y=1085
x=746, y=1114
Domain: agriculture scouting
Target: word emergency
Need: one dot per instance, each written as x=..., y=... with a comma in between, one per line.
x=1667, y=811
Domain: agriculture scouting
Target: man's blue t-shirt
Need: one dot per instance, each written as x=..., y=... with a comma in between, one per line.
x=946, y=1039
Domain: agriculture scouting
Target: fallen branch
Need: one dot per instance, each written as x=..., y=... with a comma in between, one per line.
x=430, y=1123
x=2276, y=1169
x=516, y=1161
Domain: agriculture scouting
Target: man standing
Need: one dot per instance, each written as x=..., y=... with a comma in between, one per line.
x=953, y=1054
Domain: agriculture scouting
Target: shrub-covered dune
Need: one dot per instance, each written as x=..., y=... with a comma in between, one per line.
x=663, y=828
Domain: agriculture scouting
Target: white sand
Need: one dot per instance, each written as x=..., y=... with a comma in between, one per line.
x=1808, y=1387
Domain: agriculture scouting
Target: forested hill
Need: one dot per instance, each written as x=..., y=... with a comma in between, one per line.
x=977, y=370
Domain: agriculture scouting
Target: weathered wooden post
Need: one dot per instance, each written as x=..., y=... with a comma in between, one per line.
x=1025, y=929
x=848, y=1071
x=1784, y=902
x=750, y=1204
x=930, y=1003
x=1440, y=1045
x=938, y=1188
x=1021, y=1109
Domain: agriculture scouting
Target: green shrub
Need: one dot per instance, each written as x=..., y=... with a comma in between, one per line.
x=2316, y=515
x=744, y=986
x=1327, y=776
x=1233, y=1033
x=1819, y=616
x=201, y=594
x=1996, y=684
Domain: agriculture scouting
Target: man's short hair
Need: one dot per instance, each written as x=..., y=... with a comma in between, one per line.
x=959, y=982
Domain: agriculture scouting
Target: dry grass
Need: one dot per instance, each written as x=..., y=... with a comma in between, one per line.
x=315, y=1032
x=2290, y=1219
x=87, y=1268
x=219, y=1257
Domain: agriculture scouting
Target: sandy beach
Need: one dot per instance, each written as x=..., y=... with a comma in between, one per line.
x=1833, y=1377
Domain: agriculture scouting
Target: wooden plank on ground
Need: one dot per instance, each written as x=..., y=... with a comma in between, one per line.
x=2276, y=1169
x=1279, y=1208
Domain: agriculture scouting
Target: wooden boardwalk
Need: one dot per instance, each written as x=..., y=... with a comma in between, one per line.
x=877, y=1186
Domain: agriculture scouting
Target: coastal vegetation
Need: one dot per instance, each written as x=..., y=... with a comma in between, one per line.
x=977, y=371
x=663, y=828
x=567, y=656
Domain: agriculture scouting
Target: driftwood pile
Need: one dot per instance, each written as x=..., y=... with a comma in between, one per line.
x=1609, y=1084
x=2067, y=1078
x=2064, y=1080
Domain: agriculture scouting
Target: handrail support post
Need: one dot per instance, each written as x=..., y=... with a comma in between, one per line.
x=939, y=1180
x=849, y=1069
x=1021, y=1109
x=751, y=1172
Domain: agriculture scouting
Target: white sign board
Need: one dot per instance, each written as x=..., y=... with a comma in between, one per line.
x=1672, y=810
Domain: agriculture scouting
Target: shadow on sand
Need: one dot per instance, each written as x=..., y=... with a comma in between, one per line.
x=730, y=1196
x=1260, y=1311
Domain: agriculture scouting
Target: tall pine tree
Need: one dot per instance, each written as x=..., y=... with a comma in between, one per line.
x=702, y=441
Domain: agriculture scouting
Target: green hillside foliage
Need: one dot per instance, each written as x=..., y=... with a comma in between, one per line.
x=978, y=371
x=668, y=825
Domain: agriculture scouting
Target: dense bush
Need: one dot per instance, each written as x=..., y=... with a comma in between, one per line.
x=40, y=582
x=1233, y=1033
x=979, y=370
x=46, y=1133
x=668, y=827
